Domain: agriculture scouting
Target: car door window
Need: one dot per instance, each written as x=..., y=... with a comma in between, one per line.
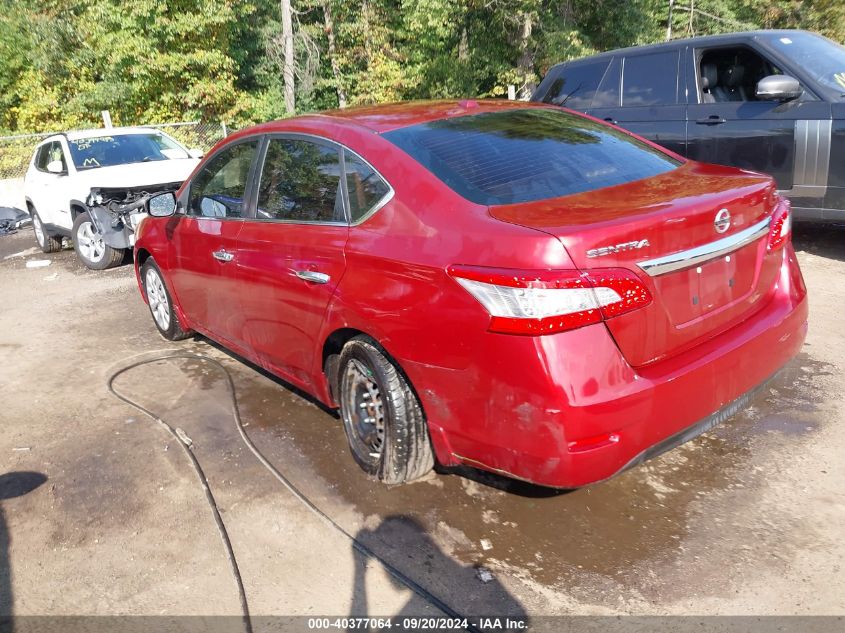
x=48, y=153
x=731, y=74
x=575, y=86
x=607, y=95
x=649, y=80
x=366, y=188
x=300, y=182
x=218, y=191
x=43, y=157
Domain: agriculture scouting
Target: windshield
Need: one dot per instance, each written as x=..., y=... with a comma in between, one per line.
x=817, y=56
x=528, y=154
x=106, y=151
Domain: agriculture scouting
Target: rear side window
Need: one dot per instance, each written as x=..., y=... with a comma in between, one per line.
x=366, y=188
x=528, y=154
x=300, y=182
x=218, y=190
x=650, y=79
x=575, y=86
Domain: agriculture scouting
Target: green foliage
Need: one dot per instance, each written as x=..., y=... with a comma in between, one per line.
x=147, y=61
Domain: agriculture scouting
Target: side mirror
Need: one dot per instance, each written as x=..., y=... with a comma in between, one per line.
x=196, y=153
x=56, y=167
x=162, y=205
x=779, y=88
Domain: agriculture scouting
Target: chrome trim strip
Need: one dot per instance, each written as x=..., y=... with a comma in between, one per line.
x=706, y=252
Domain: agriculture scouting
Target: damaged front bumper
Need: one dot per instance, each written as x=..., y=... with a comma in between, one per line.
x=117, y=212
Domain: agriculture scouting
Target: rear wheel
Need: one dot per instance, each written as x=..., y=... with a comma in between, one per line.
x=161, y=306
x=384, y=423
x=90, y=246
x=48, y=243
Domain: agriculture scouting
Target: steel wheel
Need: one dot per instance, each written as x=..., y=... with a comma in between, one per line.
x=157, y=299
x=90, y=242
x=363, y=411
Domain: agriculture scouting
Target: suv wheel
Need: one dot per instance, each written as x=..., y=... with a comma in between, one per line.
x=161, y=306
x=90, y=247
x=47, y=242
x=384, y=422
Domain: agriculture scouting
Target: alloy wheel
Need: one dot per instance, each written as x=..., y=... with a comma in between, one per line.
x=90, y=242
x=157, y=299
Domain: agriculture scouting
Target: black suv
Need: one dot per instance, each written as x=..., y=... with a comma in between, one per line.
x=770, y=101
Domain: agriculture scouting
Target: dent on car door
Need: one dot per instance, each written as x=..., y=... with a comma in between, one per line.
x=730, y=125
x=291, y=254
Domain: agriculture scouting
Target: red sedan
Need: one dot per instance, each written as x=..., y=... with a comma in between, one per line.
x=510, y=286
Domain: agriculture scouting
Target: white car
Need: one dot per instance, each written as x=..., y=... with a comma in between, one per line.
x=125, y=163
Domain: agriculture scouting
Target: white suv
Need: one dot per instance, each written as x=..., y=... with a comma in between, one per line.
x=127, y=163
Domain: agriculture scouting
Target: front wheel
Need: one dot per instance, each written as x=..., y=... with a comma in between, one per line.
x=90, y=246
x=161, y=306
x=383, y=419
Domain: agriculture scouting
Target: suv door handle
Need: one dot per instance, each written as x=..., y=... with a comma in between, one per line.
x=223, y=255
x=713, y=119
x=313, y=276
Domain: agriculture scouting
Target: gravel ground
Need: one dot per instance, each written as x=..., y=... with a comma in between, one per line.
x=747, y=519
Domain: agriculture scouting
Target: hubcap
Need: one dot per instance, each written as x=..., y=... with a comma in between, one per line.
x=39, y=230
x=157, y=299
x=363, y=411
x=90, y=242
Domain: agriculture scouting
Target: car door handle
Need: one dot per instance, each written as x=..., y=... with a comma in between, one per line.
x=313, y=276
x=223, y=255
x=713, y=119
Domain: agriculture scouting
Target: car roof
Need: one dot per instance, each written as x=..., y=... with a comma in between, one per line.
x=704, y=40
x=392, y=116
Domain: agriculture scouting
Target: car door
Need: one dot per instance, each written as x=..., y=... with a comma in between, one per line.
x=643, y=93
x=203, y=256
x=727, y=124
x=290, y=256
x=50, y=191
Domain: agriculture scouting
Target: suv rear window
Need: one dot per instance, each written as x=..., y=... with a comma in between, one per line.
x=523, y=155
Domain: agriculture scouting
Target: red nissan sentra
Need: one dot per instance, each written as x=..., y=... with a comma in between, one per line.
x=510, y=286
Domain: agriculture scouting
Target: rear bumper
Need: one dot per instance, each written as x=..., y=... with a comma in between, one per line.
x=567, y=410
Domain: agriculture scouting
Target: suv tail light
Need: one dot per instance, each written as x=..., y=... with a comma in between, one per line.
x=543, y=302
x=781, y=226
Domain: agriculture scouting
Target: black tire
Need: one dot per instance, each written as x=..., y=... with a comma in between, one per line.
x=48, y=243
x=169, y=327
x=393, y=445
x=90, y=248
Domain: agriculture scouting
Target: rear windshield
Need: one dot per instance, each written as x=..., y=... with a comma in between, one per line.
x=525, y=155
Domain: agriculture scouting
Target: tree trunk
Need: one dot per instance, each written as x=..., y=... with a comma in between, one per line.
x=338, y=83
x=288, y=69
x=526, y=56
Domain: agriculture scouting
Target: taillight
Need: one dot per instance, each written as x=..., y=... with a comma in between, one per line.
x=781, y=225
x=543, y=302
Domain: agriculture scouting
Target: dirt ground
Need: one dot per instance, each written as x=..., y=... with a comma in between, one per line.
x=100, y=512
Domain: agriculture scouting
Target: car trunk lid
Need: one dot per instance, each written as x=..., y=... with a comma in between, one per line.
x=695, y=235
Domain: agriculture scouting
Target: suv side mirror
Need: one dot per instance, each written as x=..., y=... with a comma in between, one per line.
x=56, y=167
x=162, y=205
x=779, y=88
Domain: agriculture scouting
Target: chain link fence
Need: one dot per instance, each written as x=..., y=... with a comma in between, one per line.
x=16, y=151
